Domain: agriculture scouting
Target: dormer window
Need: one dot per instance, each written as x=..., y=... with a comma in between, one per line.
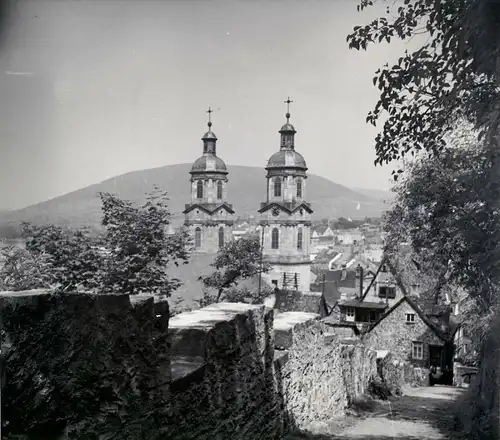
x=388, y=292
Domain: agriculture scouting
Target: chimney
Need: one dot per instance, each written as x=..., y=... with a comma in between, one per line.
x=359, y=279
x=344, y=273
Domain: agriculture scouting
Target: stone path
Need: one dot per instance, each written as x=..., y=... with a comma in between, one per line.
x=423, y=413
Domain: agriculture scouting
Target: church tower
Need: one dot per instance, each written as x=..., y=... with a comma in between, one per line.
x=209, y=217
x=285, y=216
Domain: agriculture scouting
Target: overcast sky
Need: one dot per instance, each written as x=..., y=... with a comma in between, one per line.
x=91, y=89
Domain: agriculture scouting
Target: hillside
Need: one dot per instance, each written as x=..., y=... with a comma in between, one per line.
x=246, y=191
x=376, y=194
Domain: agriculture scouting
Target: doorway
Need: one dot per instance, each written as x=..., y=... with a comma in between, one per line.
x=436, y=356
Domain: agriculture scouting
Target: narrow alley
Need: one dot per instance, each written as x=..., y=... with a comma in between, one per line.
x=423, y=413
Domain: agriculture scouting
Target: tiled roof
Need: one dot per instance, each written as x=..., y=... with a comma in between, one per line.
x=320, y=229
x=363, y=305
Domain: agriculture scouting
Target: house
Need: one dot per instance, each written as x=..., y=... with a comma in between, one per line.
x=383, y=292
x=350, y=236
x=328, y=232
x=411, y=336
x=323, y=258
x=337, y=285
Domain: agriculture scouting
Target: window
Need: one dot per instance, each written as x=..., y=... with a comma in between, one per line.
x=219, y=189
x=197, y=238
x=277, y=187
x=417, y=350
x=221, y=237
x=410, y=317
x=387, y=292
x=299, y=188
x=299, y=239
x=373, y=316
x=350, y=314
x=275, y=239
x=199, y=189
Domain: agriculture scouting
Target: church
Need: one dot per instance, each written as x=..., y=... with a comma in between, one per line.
x=284, y=215
x=209, y=217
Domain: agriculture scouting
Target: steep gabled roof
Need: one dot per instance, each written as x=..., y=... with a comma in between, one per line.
x=209, y=208
x=385, y=262
x=320, y=229
x=418, y=311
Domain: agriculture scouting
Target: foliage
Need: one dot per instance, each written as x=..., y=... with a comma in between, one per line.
x=454, y=75
x=73, y=258
x=139, y=248
x=131, y=256
x=23, y=270
x=449, y=220
x=237, y=260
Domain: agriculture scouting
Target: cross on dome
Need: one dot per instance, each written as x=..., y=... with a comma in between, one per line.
x=209, y=111
x=288, y=102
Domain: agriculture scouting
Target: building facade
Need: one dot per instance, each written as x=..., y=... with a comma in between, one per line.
x=209, y=217
x=285, y=216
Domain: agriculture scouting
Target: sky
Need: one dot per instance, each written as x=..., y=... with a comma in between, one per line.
x=91, y=89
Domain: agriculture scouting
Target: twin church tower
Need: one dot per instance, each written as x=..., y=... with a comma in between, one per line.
x=284, y=217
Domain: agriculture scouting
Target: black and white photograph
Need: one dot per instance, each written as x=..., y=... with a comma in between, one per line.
x=250, y=219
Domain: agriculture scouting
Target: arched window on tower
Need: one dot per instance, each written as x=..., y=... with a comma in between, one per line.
x=219, y=189
x=299, y=188
x=221, y=237
x=299, y=239
x=275, y=239
x=199, y=189
x=277, y=187
x=197, y=238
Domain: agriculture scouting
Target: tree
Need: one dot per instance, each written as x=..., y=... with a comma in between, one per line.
x=139, y=248
x=454, y=75
x=23, y=270
x=131, y=256
x=450, y=222
x=73, y=258
x=236, y=261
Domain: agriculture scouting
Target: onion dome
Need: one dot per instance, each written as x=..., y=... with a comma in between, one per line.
x=286, y=158
x=209, y=162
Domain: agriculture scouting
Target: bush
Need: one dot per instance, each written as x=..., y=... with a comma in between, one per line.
x=378, y=389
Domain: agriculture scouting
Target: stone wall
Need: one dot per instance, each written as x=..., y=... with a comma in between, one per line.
x=399, y=375
x=229, y=370
x=295, y=300
x=323, y=374
x=80, y=362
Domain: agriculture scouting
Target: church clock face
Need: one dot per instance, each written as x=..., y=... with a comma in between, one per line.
x=276, y=211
